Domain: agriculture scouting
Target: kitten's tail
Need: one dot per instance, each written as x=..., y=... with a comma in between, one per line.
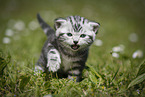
x=46, y=28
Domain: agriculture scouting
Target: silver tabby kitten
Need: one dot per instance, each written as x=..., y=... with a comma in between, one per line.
x=66, y=49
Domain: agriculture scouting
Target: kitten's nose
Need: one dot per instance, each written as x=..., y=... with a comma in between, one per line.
x=75, y=42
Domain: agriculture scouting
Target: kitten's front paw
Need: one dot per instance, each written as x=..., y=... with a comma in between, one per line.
x=54, y=60
x=38, y=69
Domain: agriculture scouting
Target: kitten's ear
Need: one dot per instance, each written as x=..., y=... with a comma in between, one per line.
x=59, y=22
x=95, y=26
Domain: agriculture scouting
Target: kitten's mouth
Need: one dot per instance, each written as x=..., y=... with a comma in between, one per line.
x=75, y=47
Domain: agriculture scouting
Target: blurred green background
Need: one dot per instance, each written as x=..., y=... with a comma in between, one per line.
x=122, y=28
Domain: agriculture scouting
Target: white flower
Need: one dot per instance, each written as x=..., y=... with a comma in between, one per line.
x=137, y=54
x=133, y=37
x=115, y=55
x=6, y=40
x=19, y=25
x=33, y=25
x=98, y=42
x=119, y=48
x=9, y=32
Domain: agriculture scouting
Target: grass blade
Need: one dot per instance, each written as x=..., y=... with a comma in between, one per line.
x=141, y=68
x=92, y=78
x=3, y=64
x=94, y=71
x=24, y=81
x=137, y=80
x=115, y=74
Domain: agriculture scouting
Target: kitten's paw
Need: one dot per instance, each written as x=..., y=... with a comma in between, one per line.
x=54, y=60
x=38, y=69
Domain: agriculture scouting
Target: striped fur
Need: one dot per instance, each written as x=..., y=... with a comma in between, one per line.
x=66, y=49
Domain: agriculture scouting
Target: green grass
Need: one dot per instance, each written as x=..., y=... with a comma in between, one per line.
x=104, y=75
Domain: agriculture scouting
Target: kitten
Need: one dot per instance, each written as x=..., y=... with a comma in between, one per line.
x=66, y=49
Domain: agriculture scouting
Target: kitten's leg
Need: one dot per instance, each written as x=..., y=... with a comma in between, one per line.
x=39, y=65
x=75, y=73
x=53, y=60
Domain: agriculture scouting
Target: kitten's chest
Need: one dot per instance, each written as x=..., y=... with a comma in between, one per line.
x=69, y=62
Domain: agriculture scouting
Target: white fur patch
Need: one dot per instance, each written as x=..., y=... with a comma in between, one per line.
x=54, y=60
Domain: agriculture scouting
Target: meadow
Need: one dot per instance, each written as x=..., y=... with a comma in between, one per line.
x=116, y=63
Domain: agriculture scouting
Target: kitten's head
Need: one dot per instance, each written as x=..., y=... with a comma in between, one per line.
x=75, y=32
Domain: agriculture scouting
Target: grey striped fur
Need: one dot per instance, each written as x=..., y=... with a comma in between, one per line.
x=66, y=50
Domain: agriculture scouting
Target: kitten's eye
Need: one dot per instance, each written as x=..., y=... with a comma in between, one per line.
x=69, y=34
x=83, y=35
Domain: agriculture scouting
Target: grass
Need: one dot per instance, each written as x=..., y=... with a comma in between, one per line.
x=104, y=75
